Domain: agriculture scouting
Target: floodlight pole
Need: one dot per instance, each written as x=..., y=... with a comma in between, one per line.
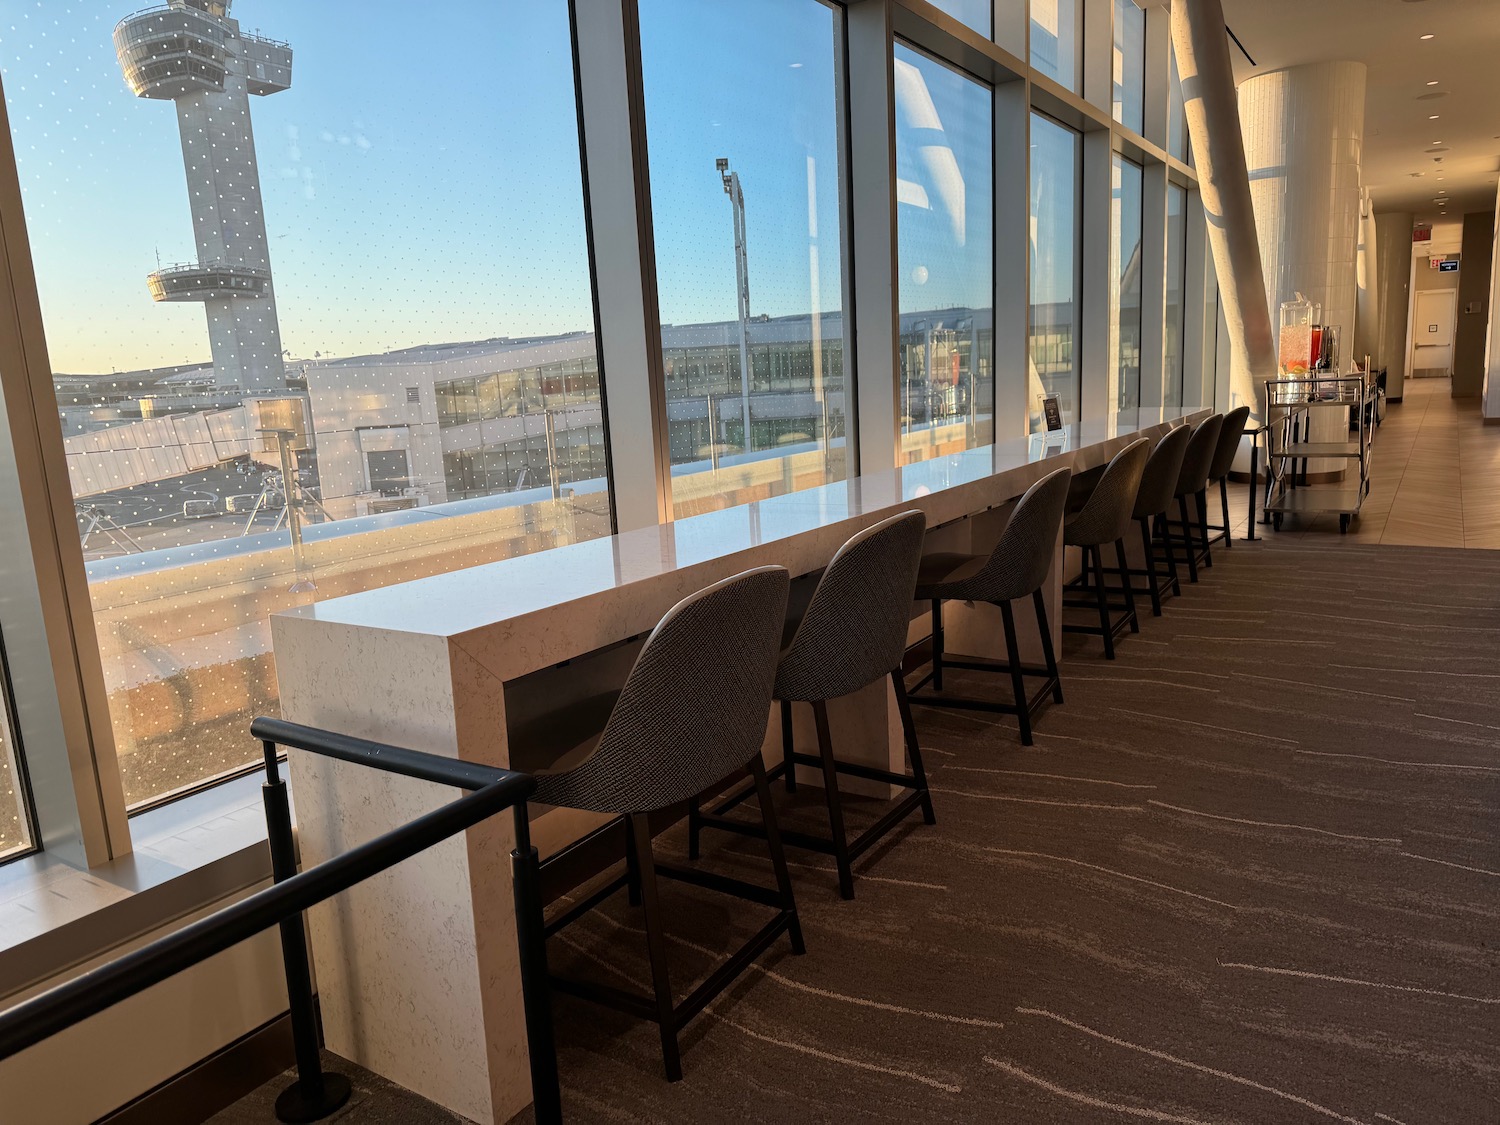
x=732, y=189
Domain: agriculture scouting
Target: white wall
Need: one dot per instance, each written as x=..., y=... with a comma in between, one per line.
x=102, y=1063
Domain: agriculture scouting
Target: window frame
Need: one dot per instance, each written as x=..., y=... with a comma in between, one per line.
x=62, y=724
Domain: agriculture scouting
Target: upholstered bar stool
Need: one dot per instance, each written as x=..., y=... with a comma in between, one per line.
x=852, y=635
x=1015, y=569
x=1103, y=519
x=692, y=712
x=1192, y=482
x=1230, y=434
x=1153, y=501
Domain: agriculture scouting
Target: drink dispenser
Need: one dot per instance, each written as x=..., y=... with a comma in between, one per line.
x=1295, y=352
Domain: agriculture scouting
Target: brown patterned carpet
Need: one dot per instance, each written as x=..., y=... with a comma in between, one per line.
x=1250, y=872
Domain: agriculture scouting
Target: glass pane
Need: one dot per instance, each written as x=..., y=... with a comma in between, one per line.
x=1125, y=283
x=1176, y=116
x=1130, y=65
x=1056, y=152
x=745, y=206
x=1176, y=270
x=15, y=830
x=1055, y=39
x=945, y=187
x=236, y=449
x=975, y=13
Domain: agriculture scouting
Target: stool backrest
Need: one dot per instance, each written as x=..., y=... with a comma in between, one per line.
x=1229, y=443
x=854, y=631
x=1162, y=470
x=1105, y=515
x=1021, y=559
x=695, y=706
x=1199, y=454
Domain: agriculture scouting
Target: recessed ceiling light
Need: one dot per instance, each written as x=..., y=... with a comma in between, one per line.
x=1434, y=82
x=1434, y=117
x=1427, y=36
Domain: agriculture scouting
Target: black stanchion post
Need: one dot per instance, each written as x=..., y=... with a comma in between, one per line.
x=536, y=987
x=314, y=1095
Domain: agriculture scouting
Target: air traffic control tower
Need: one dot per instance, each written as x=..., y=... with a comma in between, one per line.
x=192, y=53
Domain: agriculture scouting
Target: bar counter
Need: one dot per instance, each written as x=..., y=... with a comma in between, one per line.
x=417, y=969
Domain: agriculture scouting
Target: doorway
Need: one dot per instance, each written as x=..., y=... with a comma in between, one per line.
x=1433, y=317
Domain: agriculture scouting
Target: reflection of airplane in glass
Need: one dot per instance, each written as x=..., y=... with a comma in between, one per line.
x=918, y=117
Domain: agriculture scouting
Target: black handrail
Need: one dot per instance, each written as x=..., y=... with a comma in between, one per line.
x=315, y=1094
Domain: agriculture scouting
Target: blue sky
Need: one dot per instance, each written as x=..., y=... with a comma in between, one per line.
x=421, y=176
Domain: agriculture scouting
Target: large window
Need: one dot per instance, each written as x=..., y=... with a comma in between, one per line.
x=745, y=172
x=1130, y=65
x=1056, y=152
x=300, y=301
x=1125, y=283
x=1176, y=269
x=1056, y=38
x=1177, y=142
x=945, y=190
x=976, y=13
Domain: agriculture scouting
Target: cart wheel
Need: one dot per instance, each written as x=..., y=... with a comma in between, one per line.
x=1343, y=523
x=1276, y=521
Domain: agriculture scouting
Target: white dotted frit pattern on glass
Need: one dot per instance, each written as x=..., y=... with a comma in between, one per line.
x=1056, y=39
x=1125, y=283
x=945, y=238
x=1129, y=84
x=313, y=330
x=745, y=175
x=15, y=831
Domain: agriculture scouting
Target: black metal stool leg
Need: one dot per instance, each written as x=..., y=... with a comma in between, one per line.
x=1017, y=681
x=656, y=947
x=1150, y=567
x=1135, y=624
x=1109, y=640
x=1166, y=542
x=1040, y=601
x=937, y=644
x=778, y=854
x=633, y=863
x=1202, y=499
x=1224, y=500
x=787, y=748
x=913, y=749
x=835, y=801
x=1187, y=538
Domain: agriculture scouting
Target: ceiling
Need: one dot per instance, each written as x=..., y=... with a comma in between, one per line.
x=1462, y=58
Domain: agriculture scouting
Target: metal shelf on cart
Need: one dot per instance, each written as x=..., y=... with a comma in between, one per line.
x=1314, y=449
x=1310, y=498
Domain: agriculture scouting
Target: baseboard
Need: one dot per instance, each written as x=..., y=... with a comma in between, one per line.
x=215, y=1083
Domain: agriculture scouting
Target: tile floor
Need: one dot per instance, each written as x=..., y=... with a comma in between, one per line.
x=1434, y=478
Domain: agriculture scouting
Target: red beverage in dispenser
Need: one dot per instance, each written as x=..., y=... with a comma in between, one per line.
x=1316, y=358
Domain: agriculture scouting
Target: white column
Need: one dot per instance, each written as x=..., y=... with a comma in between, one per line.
x=1393, y=246
x=1213, y=118
x=1366, y=340
x=1303, y=130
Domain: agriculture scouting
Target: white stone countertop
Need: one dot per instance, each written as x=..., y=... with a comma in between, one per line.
x=524, y=613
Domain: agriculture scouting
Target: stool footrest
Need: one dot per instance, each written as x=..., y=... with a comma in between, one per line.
x=725, y=884
x=1032, y=703
x=808, y=842
x=645, y=1008
x=573, y=913
x=853, y=769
